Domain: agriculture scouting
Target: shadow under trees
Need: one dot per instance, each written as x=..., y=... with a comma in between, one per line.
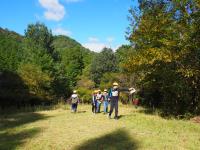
x=10, y=141
x=14, y=92
x=10, y=137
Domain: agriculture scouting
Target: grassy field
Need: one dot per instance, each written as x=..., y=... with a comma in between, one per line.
x=62, y=130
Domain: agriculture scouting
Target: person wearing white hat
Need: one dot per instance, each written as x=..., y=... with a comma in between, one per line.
x=114, y=96
x=74, y=101
x=99, y=98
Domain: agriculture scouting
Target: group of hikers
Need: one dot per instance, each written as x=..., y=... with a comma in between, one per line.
x=106, y=97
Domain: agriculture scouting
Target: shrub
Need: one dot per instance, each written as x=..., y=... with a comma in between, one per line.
x=85, y=95
x=37, y=81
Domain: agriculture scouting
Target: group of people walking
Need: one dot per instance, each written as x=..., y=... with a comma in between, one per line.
x=106, y=98
x=98, y=98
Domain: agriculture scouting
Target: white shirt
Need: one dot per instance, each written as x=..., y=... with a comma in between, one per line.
x=74, y=95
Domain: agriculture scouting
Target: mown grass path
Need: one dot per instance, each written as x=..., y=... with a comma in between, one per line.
x=62, y=130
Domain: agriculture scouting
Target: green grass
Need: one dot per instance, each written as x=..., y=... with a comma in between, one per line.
x=60, y=129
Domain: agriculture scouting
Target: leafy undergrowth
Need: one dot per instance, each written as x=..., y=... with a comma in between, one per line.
x=62, y=130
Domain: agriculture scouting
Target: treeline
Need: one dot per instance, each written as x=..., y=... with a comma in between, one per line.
x=166, y=59
x=38, y=68
x=162, y=62
x=106, y=67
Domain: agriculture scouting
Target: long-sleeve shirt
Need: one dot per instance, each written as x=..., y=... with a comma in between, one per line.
x=105, y=96
x=115, y=93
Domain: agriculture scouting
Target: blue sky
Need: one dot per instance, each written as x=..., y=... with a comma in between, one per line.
x=93, y=23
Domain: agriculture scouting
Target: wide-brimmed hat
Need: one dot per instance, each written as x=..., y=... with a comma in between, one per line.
x=132, y=90
x=74, y=91
x=105, y=90
x=115, y=84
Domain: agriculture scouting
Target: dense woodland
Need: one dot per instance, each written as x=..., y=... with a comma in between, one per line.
x=162, y=61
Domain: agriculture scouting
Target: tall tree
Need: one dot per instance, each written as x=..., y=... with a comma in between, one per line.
x=39, y=34
x=73, y=57
x=10, y=50
x=104, y=62
x=41, y=55
x=162, y=32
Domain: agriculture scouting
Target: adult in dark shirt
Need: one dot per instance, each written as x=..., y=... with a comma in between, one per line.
x=114, y=98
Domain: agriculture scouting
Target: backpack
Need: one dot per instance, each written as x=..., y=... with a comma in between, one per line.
x=74, y=98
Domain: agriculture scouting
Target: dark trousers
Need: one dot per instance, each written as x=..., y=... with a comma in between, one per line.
x=94, y=108
x=74, y=107
x=114, y=105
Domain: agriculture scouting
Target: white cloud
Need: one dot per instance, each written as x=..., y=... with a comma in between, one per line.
x=61, y=31
x=96, y=45
x=54, y=10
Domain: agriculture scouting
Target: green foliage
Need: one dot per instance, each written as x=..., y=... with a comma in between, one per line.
x=122, y=53
x=108, y=79
x=85, y=88
x=73, y=57
x=166, y=58
x=10, y=50
x=61, y=84
x=85, y=82
x=46, y=67
x=85, y=95
x=13, y=90
x=43, y=65
x=104, y=62
x=40, y=35
x=37, y=81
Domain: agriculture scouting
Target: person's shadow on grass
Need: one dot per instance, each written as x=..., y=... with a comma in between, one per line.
x=117, y=140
